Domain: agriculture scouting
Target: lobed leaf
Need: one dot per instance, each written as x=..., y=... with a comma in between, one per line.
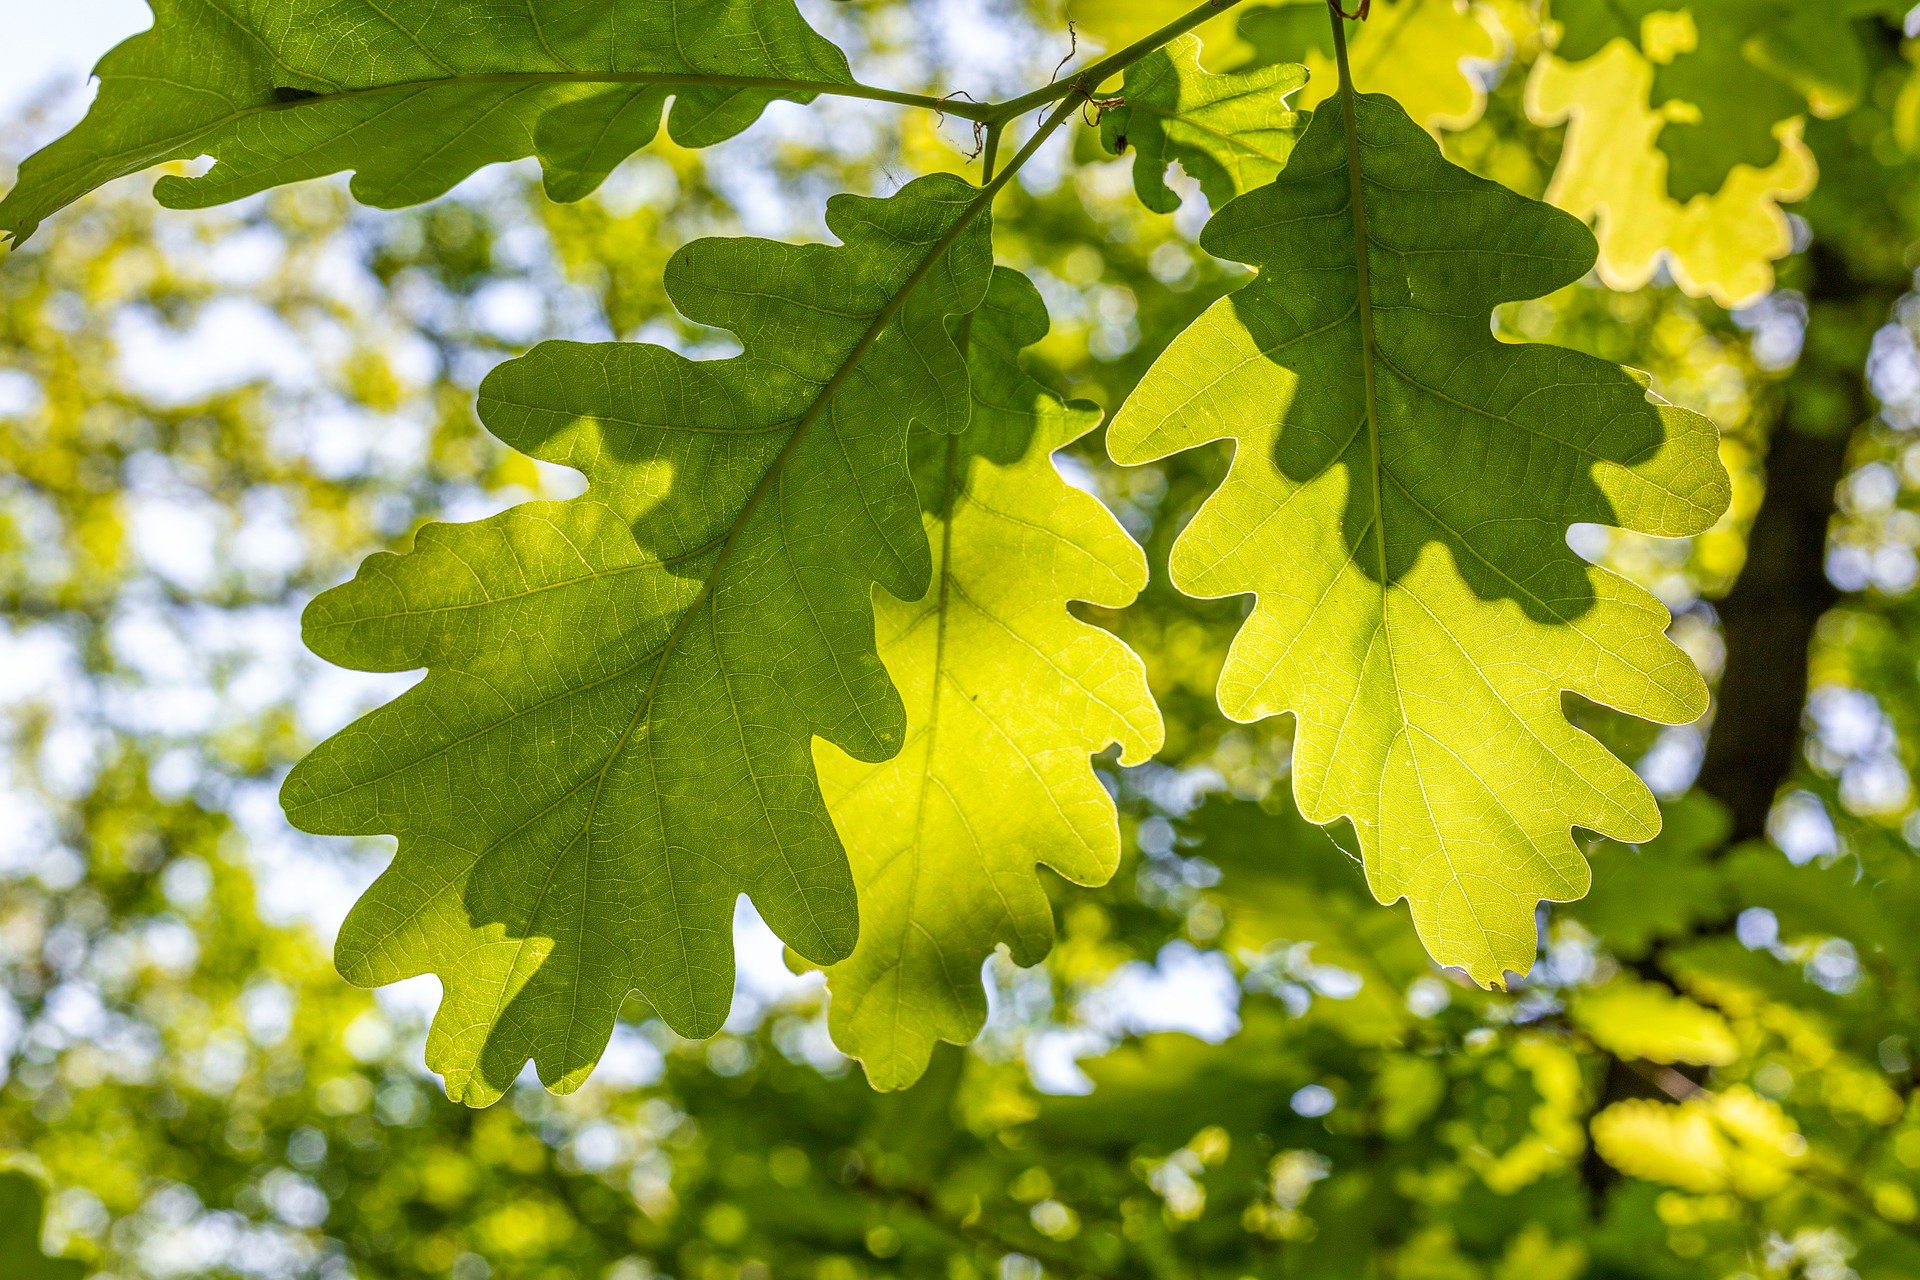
x=1643, y=1020
x=1007, y=694
x=415, y=95
x=1232, y=133
x=613, y=740
x=1398, y=505
x=1734, y=1140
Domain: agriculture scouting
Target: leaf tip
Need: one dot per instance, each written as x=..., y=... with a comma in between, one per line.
x=891, y=1074
x=466, y=1086
x=15, y=226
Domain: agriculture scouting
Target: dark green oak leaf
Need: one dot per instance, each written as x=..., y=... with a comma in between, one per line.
x=414, y=95
x=613, y=740
x=1007, y=696
x=1232, y=133
x=1588, y=26
x=1398, y=505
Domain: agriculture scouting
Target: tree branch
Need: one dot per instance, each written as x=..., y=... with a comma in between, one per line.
x=1094, y=73
x=1769, y=617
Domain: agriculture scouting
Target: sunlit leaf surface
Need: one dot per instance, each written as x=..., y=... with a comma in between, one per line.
x=1007, y=693
x=1230, y=132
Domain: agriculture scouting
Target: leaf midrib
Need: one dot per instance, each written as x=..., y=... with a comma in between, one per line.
x=466, y=79
x=1233, y=141
x=1369, y=346
x=176, y=145
x=1357, y=201
x=949, y=470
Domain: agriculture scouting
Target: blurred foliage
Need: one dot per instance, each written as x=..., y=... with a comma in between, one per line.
x=205, y=418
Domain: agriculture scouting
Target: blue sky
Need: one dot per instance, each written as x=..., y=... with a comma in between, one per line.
x=59, y=44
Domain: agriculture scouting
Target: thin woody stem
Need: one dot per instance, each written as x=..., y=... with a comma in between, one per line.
x=1091, y=75
x=990, y=150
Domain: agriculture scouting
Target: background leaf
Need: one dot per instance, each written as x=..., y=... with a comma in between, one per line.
x=1721, y=246
x=1398, y=504
x=1287, y=891
x=1007, y=693
x=1662, y=890
x=1642, y=1020
x=1735, y=1141
x=613, y=740
x=1419, y=52
x=1727, y=74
